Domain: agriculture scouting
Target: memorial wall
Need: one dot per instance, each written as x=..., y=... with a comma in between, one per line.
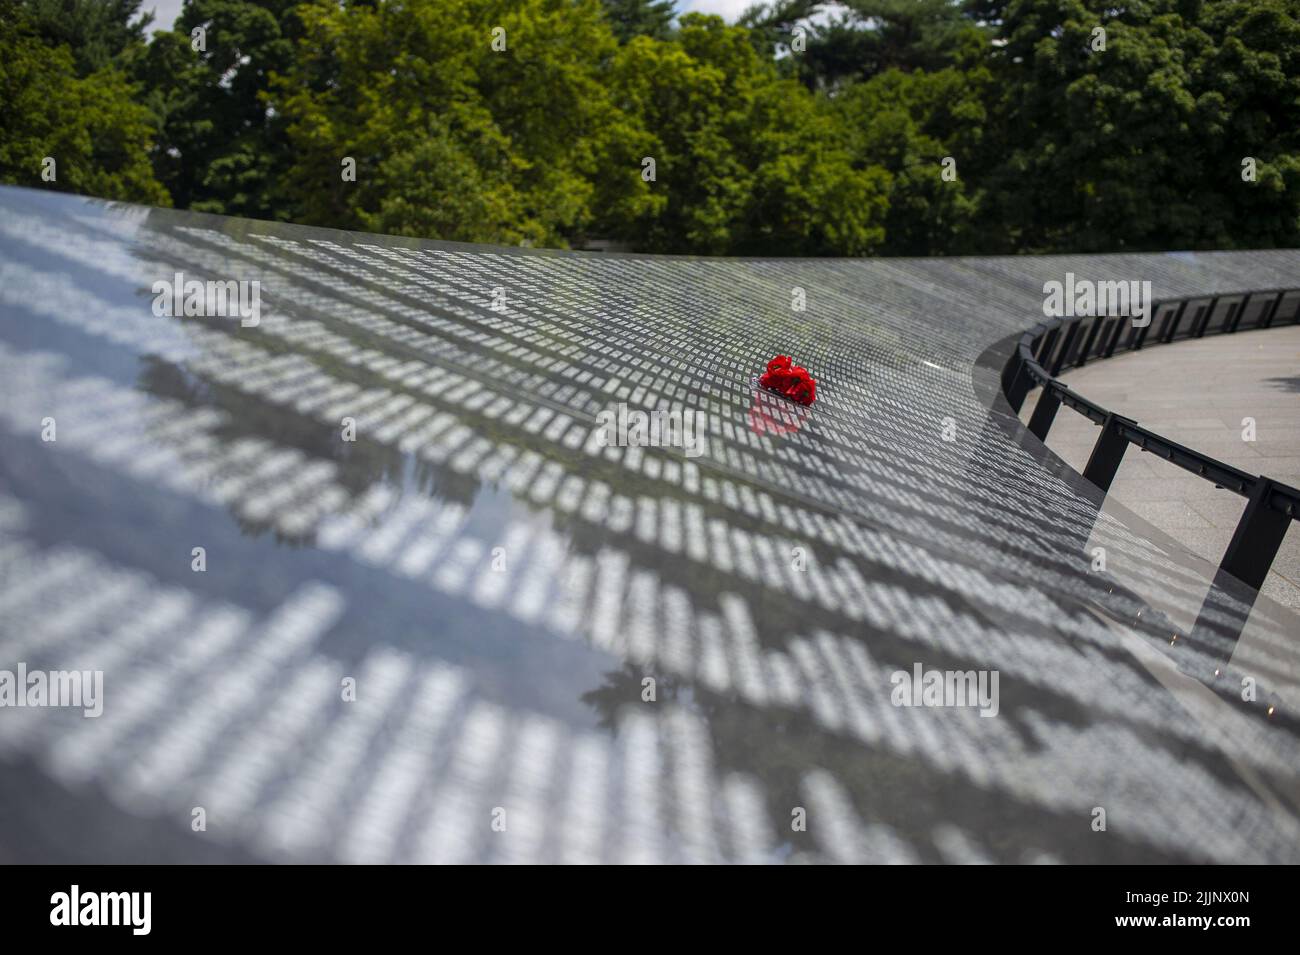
x=320, y=549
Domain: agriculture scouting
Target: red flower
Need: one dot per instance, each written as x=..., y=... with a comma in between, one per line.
x=790, y=380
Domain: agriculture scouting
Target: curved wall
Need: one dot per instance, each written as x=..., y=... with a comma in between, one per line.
x=499, y=586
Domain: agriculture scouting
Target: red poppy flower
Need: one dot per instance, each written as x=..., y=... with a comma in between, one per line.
x=790, y=380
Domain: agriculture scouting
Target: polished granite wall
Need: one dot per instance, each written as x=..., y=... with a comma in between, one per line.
x=499, y=585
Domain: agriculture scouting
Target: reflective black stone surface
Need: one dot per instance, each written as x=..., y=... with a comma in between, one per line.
x=430, y=599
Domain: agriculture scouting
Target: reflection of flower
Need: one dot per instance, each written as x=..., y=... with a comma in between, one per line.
x=771, y=415
x=790, y=380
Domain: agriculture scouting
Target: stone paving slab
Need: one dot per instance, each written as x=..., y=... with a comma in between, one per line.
x=1197, y=393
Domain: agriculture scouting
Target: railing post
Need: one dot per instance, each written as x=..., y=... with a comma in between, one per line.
x=1230, y=317
x=1045, y=348
x=1267, y=320
x=1135, y=337
x=1164, y=326
x=1044, y=413
x=1172, y=330
x=1091, y=340
x=1020, y=384
x=1141, y=335
x=1114, y=338
x=1108, y=452
x=1070, y=334
x=1011, y=369
x=1204, y=323
x=1241, y=312
x=1258, y=535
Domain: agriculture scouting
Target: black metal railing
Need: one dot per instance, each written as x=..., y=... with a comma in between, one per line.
x=1060, y=343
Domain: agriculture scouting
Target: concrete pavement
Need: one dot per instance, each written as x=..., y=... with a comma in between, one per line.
x=1199, y=393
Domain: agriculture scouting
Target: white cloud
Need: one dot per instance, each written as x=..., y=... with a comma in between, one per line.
x=727, y=9
x=165, y=13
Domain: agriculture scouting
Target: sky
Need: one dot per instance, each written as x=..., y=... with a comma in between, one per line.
x=166, y=11
x=727, y=9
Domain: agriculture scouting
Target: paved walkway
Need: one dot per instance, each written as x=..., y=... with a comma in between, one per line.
x=1197, y=394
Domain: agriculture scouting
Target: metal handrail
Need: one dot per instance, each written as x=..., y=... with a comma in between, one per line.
x=1271, y=505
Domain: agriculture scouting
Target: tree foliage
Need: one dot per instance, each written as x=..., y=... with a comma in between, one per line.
x=221, y=147
x=746, y=161
x=1140, y=144
x=85, y=120
x=630, y=18
x=451, y=136
x=866, y=126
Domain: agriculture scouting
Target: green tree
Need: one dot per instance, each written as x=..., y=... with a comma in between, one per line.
x=1139, y=145
x=927, y=130
x=1249, y=95
x=530, y=121
x=457, y=130
x=221, y=147
x=629, y=18
x=98, y=33
x=97, y=135
x=746, y=161
x=854, y=40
